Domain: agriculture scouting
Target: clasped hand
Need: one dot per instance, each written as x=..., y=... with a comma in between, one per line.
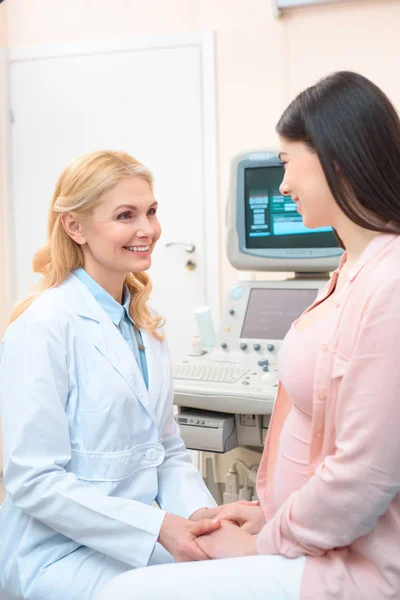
x=239, y=522
x=179, y=535
x=247, y=515
x=221, y=532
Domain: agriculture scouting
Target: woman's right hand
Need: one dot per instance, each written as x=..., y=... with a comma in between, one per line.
x=178, y=536
x=246, y=515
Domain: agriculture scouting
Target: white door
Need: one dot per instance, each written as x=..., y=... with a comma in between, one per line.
x=153, y=98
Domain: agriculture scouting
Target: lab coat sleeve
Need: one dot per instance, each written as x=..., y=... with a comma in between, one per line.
x=33, y=394
x=181, y=489
x=353, y=487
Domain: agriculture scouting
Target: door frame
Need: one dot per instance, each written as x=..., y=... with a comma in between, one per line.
x=202, y=40
x=6, y=232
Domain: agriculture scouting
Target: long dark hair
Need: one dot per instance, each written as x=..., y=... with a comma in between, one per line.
x=355, y=130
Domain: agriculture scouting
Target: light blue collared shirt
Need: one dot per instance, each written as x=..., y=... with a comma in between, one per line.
x=119, y=315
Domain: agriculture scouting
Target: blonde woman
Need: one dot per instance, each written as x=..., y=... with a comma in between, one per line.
x=86, y=396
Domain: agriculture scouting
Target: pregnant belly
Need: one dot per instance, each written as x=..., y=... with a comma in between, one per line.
x=291, y=471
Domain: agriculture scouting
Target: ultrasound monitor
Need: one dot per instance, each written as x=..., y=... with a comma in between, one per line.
x=265, y=231
x=271, y=311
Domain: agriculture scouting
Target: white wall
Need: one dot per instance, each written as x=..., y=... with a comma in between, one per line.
x=3, y=305
x=261, y=62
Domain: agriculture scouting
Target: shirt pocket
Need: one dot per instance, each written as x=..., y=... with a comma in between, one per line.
x=339, y=366
x=115, y=466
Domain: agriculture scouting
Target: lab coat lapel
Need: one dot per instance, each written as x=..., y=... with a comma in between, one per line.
x=113, y=347
x=106, y=337
x=153, y=350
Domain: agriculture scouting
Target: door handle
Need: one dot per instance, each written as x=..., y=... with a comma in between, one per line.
x=189, y=247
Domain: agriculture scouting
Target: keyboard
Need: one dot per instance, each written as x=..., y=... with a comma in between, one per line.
x=212, y=372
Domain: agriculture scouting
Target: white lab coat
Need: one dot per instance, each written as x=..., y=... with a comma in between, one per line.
x=87, y=449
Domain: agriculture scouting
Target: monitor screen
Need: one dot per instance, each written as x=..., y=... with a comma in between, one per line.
x=271, y=311
x=272, y=220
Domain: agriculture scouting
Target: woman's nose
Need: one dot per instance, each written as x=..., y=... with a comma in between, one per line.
x=145, y=229
x=284, y=189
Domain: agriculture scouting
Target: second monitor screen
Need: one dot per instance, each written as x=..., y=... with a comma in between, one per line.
x=272, y=220
x=270, y=312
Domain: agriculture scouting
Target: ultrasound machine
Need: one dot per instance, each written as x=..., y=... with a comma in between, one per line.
x=226, y=395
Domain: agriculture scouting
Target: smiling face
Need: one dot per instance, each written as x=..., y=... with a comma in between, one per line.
x=120, y=234
x=305, y=182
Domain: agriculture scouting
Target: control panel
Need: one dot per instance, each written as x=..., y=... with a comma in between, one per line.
x=240, y=375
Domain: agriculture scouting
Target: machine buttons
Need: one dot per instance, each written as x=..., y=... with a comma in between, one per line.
x=245, y=383
x=268, y=377
x=257, y=347
x=263, y=363
x=208, y=371
x=231, y=311
x=237, y=292
x=151, y=454
x=224, y=345
x=265, y=368
x=270, y=347
x=243, y=346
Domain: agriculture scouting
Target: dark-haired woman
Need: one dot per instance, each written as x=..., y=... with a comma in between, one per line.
x=329, y=480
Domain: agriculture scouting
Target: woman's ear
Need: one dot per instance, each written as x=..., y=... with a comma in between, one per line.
x=73, y=228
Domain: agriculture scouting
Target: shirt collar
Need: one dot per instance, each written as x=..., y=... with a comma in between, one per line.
x=376, y=244
x=126, y=302
x=114, y=309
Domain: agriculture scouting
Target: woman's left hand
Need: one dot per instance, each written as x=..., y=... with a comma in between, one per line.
x=229, y=541
x=205, y=513
x=211, y=513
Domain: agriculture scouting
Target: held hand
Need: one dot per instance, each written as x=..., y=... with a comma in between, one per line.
x=229, y=541
x=205, y=513
x=178, y=536
x=249, y=517
x=211, y=513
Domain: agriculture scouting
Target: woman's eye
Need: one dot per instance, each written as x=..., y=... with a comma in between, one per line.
x=124, y=216
x=152, y=212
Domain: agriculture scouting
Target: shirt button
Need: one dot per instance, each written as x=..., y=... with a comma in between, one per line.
x=318, y=434
x=151, y=454
x=337, y=304
x=322, y=396
x=324, y=347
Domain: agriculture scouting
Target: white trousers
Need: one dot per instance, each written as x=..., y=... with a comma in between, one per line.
x=245, y=578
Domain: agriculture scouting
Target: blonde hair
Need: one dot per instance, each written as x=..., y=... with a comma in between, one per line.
x=79, y=190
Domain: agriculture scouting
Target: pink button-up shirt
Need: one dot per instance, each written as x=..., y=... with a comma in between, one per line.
x=346, y=518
